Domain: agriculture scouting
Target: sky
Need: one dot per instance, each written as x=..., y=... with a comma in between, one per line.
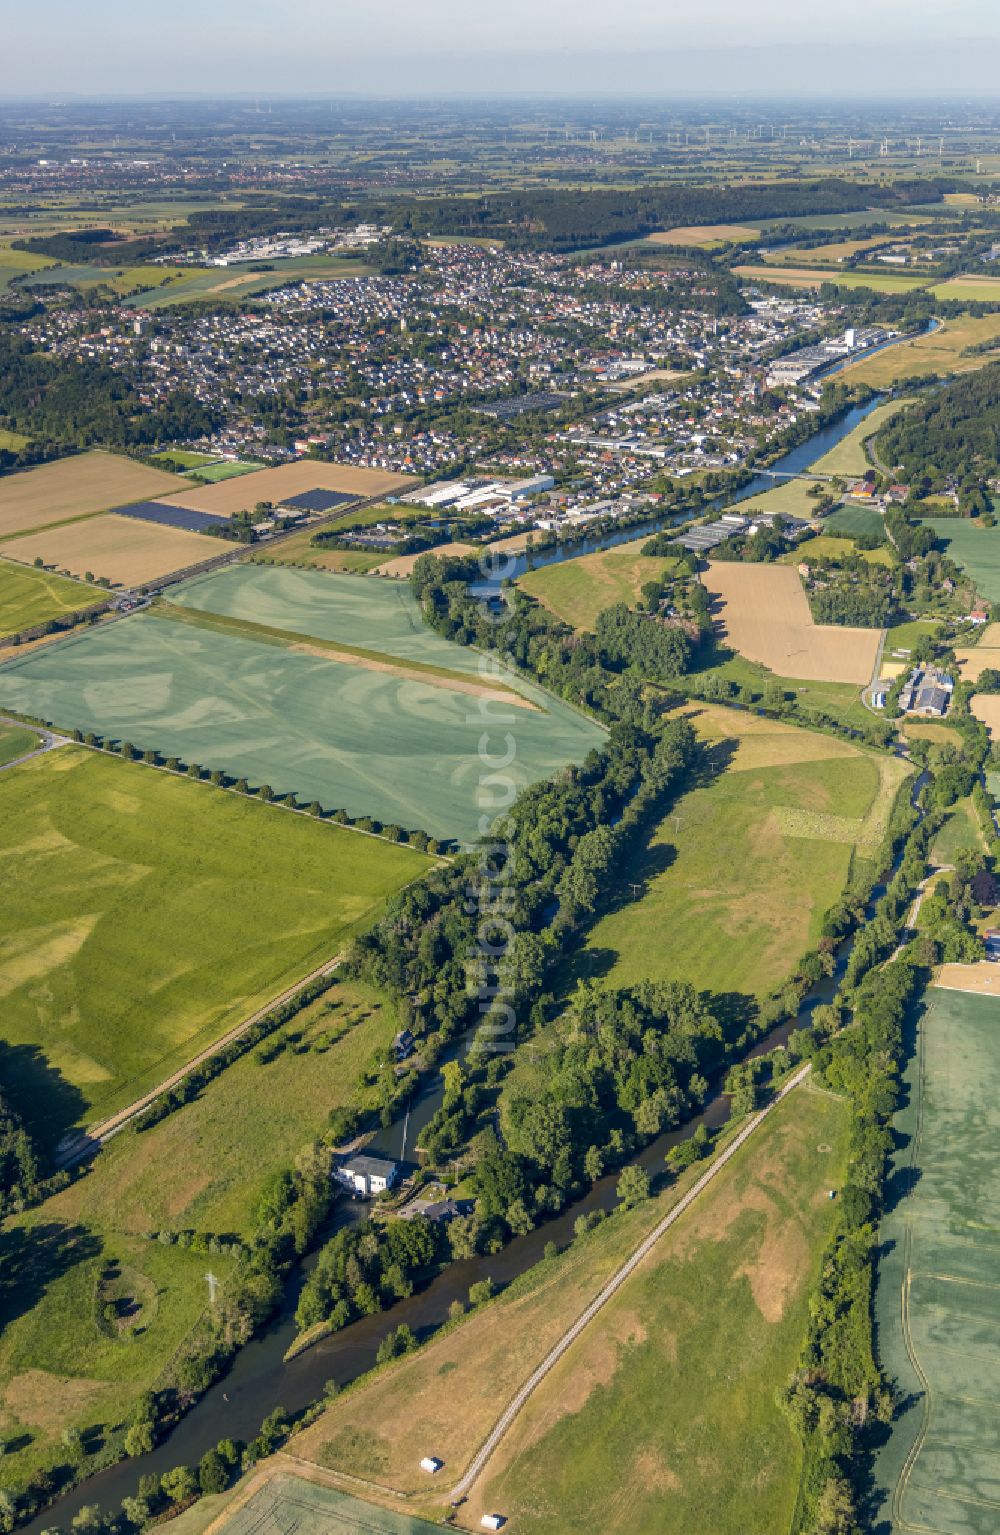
x=558, y=47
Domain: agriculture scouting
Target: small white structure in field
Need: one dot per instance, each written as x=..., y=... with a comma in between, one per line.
x=493, y=1521
x=431, y=1463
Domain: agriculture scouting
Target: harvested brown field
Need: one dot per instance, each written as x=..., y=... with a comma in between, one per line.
x=403, y=564
x=983, y=978
x=762, y=612
x=986, y=707
x=980, y=658
x=243, y=493
x=76, y=487
x=703, y=234
x=122, y=549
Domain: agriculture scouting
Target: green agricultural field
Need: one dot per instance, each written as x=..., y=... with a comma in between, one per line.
x=179, y=460
x=806, y=277
x=228, y=284
x=15, y=741
x=855, y=520
x=366, y=736
x=938, y=1298
x=960, y=833
x=969, y=290
x=792, y=498
x=300, y=550
x=906, y=635
x=293, y=1502
x=665, y=1405
x=975, y=548
x=824, y=546
x=212, y=474
x=578, y=590
x=735, y=883
x=146, y=914
x=848, y=457
x=378, y=616
x=29, y=597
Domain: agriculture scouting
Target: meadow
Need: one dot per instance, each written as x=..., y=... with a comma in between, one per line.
x=824, y=546
x=122, y=550
x=960, y=833
x=862, y=521
x=675, y=1380
x=734, y=884
x=975, y=548
x=969, y=289
x=15, y=741
x=300, y=550
x=578, y=590
x=938, y=1301
x=146, y=914
x=762, y=612
x=792, y=498
x=848, y=457
x=351, y=736
x=29, y=597
x=76, y=487
x=940, y=352
x=805, y=277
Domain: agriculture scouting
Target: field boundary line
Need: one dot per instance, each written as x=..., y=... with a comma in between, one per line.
x=646, y=1246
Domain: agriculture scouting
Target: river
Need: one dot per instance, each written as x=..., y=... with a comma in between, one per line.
x=797, y=461
x=260, y=1379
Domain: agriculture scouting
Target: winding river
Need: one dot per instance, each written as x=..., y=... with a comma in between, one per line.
x=260, y=1379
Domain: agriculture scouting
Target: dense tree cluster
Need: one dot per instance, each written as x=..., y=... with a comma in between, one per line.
x=19, y=1161
x=954, y=431
x=366, y=1268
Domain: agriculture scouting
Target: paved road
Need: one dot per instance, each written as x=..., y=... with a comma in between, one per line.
x=50, y=741
x=86, y=1143
x=511, y=1412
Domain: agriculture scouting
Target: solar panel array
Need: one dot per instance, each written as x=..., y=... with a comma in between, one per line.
x=171, y=516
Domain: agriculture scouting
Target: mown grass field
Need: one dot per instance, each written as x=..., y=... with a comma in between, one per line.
x=641, y=1424
x=578, y=590
x=807, y=277
x=854, y=519
x=29, y=597
x=146, y=914
x=792, y=498
x=904, y=636
x=735, y=882
x=960, y=833
x=826, y=547
x=299, y=550
x=969, y=289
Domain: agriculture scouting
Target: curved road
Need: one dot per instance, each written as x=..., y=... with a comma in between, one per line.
x=50, y=741
x=507, y=1417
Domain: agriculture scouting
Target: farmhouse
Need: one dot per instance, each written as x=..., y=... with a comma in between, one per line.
x=367, y=1175
x=927, y=690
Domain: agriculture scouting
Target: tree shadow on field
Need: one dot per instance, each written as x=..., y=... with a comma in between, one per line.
x=46, y=1104
x=33, y=1259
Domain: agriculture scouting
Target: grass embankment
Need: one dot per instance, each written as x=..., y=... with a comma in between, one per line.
x=146, y=914
x=848, y=457
x=735, y=882
x=578, y=590
x=666, y=1404
x=29, y=597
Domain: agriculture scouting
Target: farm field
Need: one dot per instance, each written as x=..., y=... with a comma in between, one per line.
x=940, y=352
x=222, y=1146
x=806, y=277
x=975, y=548
x=791, y=498
x=29, y=597
x=577, y=590
x=849, y=457
x=287, y=1499
x=76, y=487
x=180, y=460
x=231, y=470
x=909, y=633
x=147, y=914
x=762, y=611
x=825, y=255
x=221, y=283
x=123, y=550
x=841, y=700
x=970, y=289
x=973, y=660
x=299, y=550
x=15, y=741
x=703, y=234
x=675, y=1379
x=823, y=546
x=856, y=520
x=986, y=707
x=243, y=493
x=960, y=833
x=403, y=564
x=737, y=879
x=349, y=736
x=938, y=1299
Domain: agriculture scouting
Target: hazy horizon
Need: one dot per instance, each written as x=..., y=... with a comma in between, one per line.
x=559, y=49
